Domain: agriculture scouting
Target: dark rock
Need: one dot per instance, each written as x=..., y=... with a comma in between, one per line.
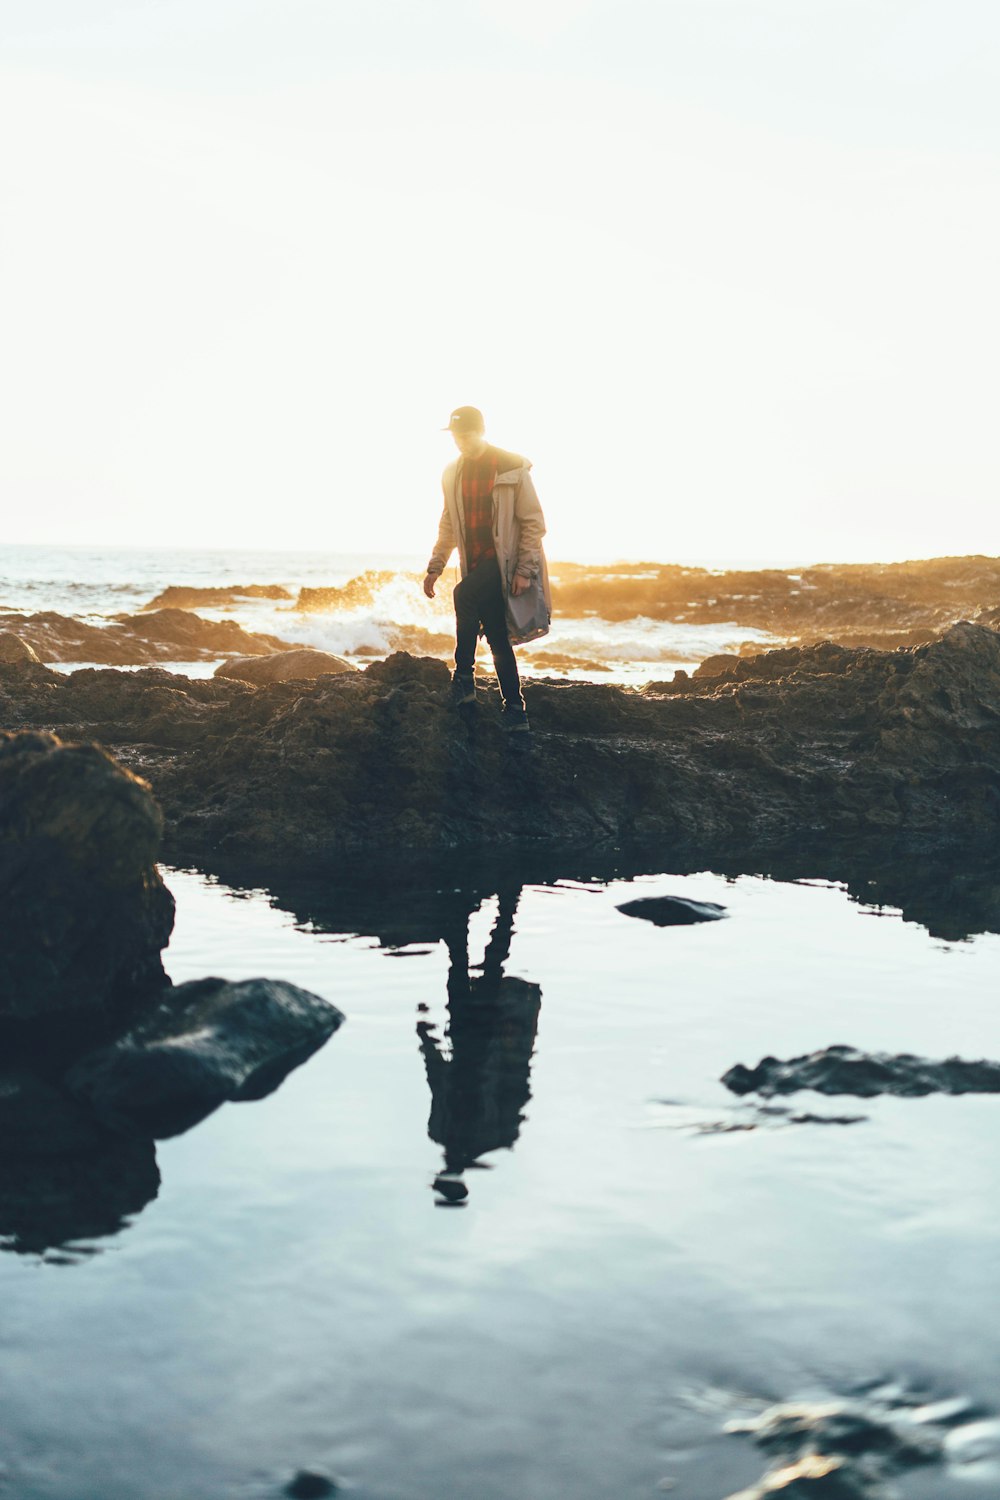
x=672, y=911
x=131, y=640
x=54, y=1202
x=310, y=1485
x=207, y=1041
x=181, y=596
x=85, y=911
x=845, y=1070
x=39, y=1119
x=14, y=649
x=284, y=666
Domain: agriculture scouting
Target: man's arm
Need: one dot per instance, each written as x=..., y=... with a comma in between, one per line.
x=528, y=512
x=443, y=548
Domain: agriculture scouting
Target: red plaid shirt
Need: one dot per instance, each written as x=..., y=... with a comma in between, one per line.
x=479, y=475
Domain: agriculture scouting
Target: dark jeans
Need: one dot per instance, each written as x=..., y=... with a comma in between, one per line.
x=479, y=601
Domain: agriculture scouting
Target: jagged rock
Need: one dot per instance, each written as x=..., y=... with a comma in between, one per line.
x=85, y=911
x=673, y=911
x=800, y=745
x=284, y=666
x=181, y=596
x=207, y=1041
x=846, y=1070
x=132, y=640
x=14, y=649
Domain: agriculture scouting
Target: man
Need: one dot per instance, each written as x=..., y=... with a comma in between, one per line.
x=491, y=513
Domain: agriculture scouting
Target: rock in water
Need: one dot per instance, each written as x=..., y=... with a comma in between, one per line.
x=14, y=649
x=286, y=666
x=208, y=1041
x=673, y=911
x=846, y=1070
x=85, y=913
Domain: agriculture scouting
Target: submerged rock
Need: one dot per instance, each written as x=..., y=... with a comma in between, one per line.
x=85, y=911
x=672, y=911
x=846, y=1070
x=207, y=1041
x=284, y=666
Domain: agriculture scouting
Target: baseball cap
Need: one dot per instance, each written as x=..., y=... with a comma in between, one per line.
x=465, y=419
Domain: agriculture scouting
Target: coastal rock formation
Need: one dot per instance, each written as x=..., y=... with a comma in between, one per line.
x=14, y=649
x=800, y=745
x=284, y=666
x=132, y=640
x=672, y=911
x=206, y=1042
x=180, y=596
x=355, y=594
x=85, y=911
x=846, y=1070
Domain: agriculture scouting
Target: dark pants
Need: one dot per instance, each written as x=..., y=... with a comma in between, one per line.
x=479, y=601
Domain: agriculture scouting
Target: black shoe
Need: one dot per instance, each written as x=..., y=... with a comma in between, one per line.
x=514, y=720
x=463, y=688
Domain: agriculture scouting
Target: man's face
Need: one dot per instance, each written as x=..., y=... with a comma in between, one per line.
x=469, y=444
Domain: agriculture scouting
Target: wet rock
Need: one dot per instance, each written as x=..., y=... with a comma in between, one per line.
x=284, y=666
x=355, y=594
x=39, y=1119
x=673, y=911
x=846, y=1070
x=131, y=640
x=85, y=911
x=207, y=1041
x=14, y=649
x=309, y=1484
x=180, y=596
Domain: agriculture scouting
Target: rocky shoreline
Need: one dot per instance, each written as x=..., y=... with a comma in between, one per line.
x=806, y=744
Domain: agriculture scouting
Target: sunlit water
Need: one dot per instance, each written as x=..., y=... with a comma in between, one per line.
x=95, y=584
x=618, y=1284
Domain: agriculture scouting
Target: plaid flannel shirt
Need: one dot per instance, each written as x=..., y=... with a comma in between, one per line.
x=478, y=478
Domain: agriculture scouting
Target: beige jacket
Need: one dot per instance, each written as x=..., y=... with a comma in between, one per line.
x=518, y=523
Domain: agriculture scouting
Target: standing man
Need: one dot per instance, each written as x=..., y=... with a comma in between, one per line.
x=491, y=513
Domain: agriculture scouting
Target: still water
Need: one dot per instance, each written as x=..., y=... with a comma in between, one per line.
x=624, y=1275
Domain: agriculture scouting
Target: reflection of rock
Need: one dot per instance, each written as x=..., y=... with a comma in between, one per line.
x=284, y=666
x=132, y=640
x=85, y=912
x=181, y=596
x=37, y=1118
x=208, y=1041
x=51, y=1202
x=846, y=1070
x=672, y=911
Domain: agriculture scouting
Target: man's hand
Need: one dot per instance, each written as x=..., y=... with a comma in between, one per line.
x=429, y=583
x=519, y=583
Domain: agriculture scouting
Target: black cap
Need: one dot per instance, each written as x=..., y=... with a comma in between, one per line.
x=465, y=419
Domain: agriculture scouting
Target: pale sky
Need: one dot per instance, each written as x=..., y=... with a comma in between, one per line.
x=725, y=270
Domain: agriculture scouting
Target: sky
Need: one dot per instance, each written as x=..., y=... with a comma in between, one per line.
x=724, y=270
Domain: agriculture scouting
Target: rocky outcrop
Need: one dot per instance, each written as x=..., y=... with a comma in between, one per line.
x=133, y=640
x=846, y=1070
x=14, y=649
x=672, y=911
x=806, y=744
x=207, y=1042
x=85, y=911
x=284, y=666
x=180, y=596
x=355, y=594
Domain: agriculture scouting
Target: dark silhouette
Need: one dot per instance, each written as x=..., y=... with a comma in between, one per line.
x=481, y=1084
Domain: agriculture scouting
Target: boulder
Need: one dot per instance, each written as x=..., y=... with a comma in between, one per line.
x=14, y=649
x=847, y=1070
x=208, y=1041
x=286, y=666
x=85, y=911
x=673, y=911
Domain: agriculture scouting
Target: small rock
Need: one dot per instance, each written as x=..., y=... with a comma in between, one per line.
x=673, y=911
x=846, y=1070
x=310, y=1485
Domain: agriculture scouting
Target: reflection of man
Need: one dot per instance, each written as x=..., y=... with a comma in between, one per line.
x=479, y=1091
x=491, y=513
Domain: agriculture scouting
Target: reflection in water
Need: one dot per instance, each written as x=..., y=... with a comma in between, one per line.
x=56, y=1202
x=480, y=1084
